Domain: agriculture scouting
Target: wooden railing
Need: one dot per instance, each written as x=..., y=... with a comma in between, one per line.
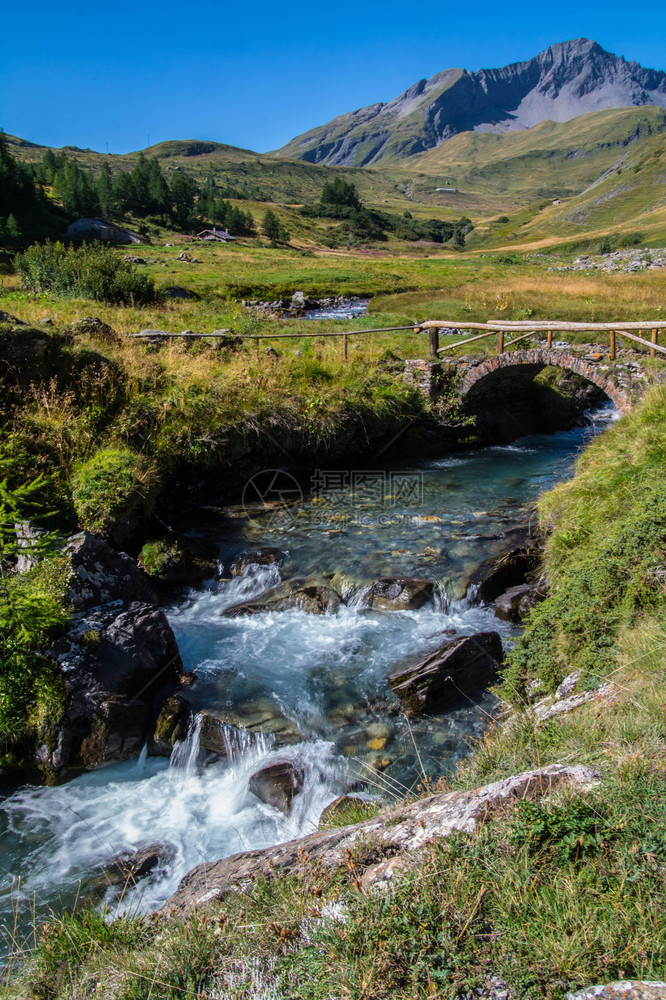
x=526, y=329
x=548, y=327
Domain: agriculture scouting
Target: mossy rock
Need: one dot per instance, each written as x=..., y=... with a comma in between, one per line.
x=176, y=562
x=113, y=492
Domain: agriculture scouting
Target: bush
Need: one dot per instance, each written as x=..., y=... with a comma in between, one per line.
x=93, y=271
x=115, y=483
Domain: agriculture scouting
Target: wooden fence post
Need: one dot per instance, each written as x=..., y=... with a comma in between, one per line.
x=433, y=336
x=500, y=341
x=612, y=345
x=655, y=335
x=549, y=339
x=344, y=346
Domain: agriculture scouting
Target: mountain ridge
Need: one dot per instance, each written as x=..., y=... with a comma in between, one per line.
x=564, y=81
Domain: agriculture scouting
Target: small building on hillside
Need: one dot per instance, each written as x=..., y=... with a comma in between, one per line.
x=103, y=229
x=216, y=235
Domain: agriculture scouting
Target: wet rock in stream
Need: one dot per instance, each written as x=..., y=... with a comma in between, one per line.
x=449, y=674
x=277, y=784
x=398, y=593
x=314, y=598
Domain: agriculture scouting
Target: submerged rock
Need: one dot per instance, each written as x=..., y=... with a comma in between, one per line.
x=130, y=867
x=458, y=668
x=346, y=809
x=277, y=784
x=255, y=557
x=398, y=593
x=315, y=598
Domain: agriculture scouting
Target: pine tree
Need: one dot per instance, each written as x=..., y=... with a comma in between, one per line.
x=12, y=229
x=105, y=190
x=183, y=192
x=270, y=225
x=159, y=199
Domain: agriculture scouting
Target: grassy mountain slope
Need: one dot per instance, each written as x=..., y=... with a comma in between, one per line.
x=553, y=158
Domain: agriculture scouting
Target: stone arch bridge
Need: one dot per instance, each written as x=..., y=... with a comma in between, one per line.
x=507, y=375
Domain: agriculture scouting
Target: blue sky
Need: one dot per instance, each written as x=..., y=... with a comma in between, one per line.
x=255, y=74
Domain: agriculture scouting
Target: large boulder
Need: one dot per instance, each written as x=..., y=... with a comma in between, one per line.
x=101, y=574
x=398, y=593
x=277, y=784
x=118, y=663
x=456, y=669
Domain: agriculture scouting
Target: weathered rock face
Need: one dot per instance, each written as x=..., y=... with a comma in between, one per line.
x=625, y=989
x=277, y=784
x=398, y=593
x=315, y=598
x=118, y=662
x=100, y=574
x=457, y=668
x=397, y=835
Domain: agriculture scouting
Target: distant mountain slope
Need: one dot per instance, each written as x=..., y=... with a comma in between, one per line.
x=566, y=80
x=550, y=159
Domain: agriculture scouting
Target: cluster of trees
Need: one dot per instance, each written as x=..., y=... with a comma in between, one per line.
x=340, y=200
x=213, y=204
x=143, y=192
x=19, y=197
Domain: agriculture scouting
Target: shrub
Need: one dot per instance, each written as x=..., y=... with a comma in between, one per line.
x=115, y=483
x=93, y=271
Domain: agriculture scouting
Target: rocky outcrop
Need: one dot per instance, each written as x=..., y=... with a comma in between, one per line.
x=117, y=662
x=398, y=593
x=93, y=326
x=277, y=784
x=171, y=727
x=455, y=670
x=518, y=565
x=514, y=604
x=101, y=574
x=396, y=835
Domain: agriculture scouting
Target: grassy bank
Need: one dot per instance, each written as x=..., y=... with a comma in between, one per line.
x=547, y=897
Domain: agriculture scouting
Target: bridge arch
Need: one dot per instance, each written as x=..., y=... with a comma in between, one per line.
x=504, y=375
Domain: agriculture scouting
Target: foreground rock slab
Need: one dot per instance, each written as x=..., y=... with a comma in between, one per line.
x=396, y=834
x=456, y=669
